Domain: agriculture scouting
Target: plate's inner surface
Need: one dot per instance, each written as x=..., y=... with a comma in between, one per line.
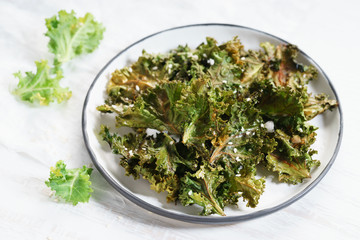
x=275, y=194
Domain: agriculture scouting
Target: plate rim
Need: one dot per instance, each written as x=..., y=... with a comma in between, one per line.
x=206, y=219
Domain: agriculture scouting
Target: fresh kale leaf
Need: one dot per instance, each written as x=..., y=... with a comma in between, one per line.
x=72, y=185
x=42, y=87
x=71, y=36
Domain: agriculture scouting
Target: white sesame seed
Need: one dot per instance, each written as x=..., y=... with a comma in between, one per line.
x=170, y=66
x=230, y=143
x=202, y=173
x=155, y=68
x=269, y=125
x=137, y=88
x=131, y=152
x=195, y=57
x=211, y=61
x=248, y=99
x=224, y=81
x=171, y=143
x=234, y=91
x=190, y=192
x=204, y=54
x=235, y=150
x=237, y=159
x=262, y=125
x=242, y=58
x=130, y=69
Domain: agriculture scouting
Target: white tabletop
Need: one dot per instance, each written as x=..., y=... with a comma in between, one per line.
x=33, y=138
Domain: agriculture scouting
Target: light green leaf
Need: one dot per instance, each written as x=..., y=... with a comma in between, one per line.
x=71, y=36
x=42, y=87
x=72, y=185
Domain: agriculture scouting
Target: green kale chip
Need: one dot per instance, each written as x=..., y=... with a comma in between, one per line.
x=220, y=113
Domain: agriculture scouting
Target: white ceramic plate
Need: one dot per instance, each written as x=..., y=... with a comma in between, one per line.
x=276, y=195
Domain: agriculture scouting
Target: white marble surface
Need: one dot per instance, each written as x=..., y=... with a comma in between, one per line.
x=33, y=138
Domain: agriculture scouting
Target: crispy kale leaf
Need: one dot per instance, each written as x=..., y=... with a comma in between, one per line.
x=42, y=87
x=202, y=188
x=221, y=112
x=317, y=105
x=72, y=185
x=250, y=188
x=156, y=159
x=71, y=36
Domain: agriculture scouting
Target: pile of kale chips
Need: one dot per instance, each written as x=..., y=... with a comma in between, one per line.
x=220, y=111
